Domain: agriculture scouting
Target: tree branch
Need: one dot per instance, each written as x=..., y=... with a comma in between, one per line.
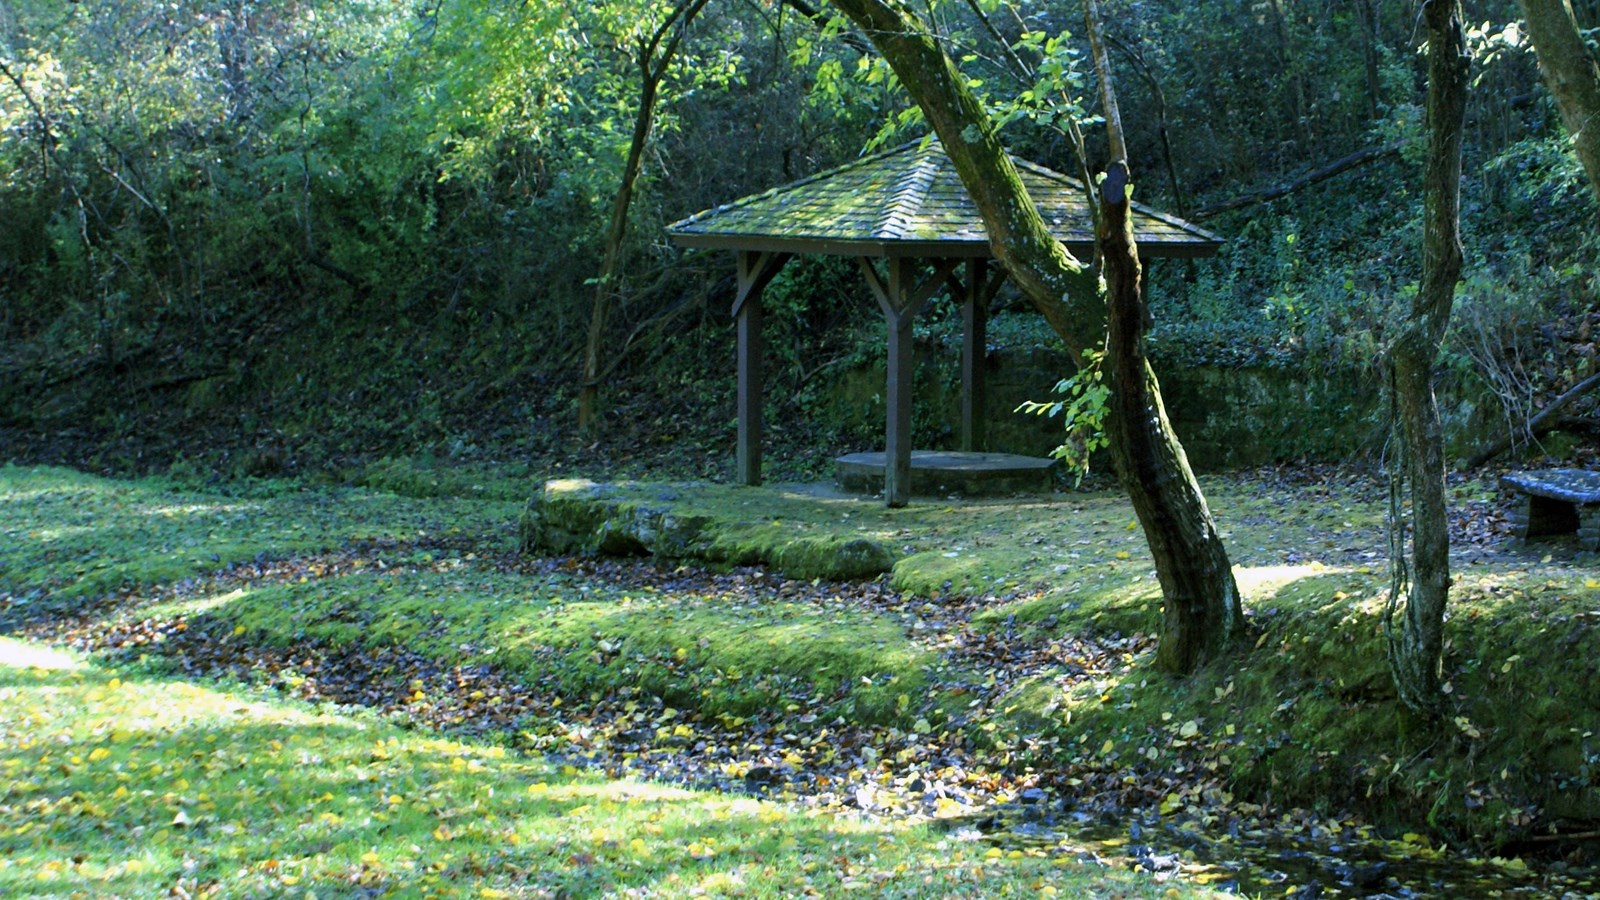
x=1338, y=166
x=1545, y=420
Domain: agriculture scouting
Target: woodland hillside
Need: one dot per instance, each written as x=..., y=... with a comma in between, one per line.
x=257, y=238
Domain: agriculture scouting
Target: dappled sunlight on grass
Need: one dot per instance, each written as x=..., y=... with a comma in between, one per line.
x=136, y=786
x=19, y=655
x=82, y=534
x=1264, y=582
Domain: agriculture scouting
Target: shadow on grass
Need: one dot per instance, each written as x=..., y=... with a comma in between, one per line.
x=138, y=786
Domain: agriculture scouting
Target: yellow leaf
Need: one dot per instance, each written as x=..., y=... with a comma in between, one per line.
x=98, y=754
x=1107, y=747
x=114, y=683
x=639, y=847
x=993, y=853
x=1123, y=554
x=538, y=787
x=238, y=630
x=370, y=858
x=1190, y=729
x=492, y=894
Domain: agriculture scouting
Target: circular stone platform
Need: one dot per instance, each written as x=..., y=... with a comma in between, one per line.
x=943, y=473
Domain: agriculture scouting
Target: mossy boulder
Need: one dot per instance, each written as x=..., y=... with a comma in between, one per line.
x=705, y=523
x=584, y=517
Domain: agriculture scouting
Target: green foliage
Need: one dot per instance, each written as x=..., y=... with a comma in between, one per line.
x=1082, y=412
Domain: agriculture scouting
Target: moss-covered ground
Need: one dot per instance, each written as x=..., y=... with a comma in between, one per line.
x=998, y=675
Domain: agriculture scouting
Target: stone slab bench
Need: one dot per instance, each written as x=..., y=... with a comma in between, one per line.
x=944, y=473
x=1557, y=501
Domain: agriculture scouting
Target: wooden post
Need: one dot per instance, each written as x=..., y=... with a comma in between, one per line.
x=756, y=270
x=900, y=304
x=749, y=402
x=974, y=355
x=902, y=374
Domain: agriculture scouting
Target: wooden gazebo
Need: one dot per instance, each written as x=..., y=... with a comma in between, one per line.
x=908, y=208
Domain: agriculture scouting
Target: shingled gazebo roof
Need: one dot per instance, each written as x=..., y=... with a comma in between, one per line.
x=909, y=202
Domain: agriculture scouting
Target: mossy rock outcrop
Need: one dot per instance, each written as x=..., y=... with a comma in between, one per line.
x=699, y=522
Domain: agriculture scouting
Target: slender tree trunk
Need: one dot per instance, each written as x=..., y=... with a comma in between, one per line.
x=1422, y=582
x=1367, y=15
x=1190, y=560
x=1200, y=599
x=1572, y=76
x=654, y=56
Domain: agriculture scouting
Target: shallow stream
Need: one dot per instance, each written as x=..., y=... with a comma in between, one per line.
x=1275, y=863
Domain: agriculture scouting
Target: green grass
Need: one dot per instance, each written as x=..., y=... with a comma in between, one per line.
x=722, y=654
x=1304, y=716
x=121, y=784
x=69, y=535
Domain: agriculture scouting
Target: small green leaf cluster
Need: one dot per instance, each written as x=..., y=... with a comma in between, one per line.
x=1083, y=414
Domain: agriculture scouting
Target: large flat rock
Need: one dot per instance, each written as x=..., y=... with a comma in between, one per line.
x=946, y=473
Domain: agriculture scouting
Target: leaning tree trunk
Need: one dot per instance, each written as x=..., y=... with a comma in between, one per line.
x=1200, y=599
x=1196, y=579
x=1572, y=76
x=1422, y=582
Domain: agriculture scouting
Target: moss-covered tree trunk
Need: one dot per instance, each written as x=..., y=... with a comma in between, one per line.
x=1571, y=74
x=1420, y=582
x=1196, y=578
x=1200, y=600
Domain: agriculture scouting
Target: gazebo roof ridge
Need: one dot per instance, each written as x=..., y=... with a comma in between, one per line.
x=795, y=185
x=1152, y=212
x=911, y=193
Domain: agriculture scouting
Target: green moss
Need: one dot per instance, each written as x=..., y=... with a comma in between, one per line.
x=718, y=654
x=794, y=533
x=426, y=477
x=258, y=797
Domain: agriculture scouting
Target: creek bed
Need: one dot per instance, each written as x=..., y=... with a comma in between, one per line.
x=1262, y=862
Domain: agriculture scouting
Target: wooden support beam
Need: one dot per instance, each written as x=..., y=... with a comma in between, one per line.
x=756, y=271
x=902, y=371
x=975, y=295
x=900, y=302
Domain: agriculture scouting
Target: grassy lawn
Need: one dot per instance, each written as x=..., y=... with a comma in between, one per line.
x=134, y=785
x=122, y=779
x=1006, y=653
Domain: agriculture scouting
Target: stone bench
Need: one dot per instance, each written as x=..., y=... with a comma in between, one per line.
x=1557, y=501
